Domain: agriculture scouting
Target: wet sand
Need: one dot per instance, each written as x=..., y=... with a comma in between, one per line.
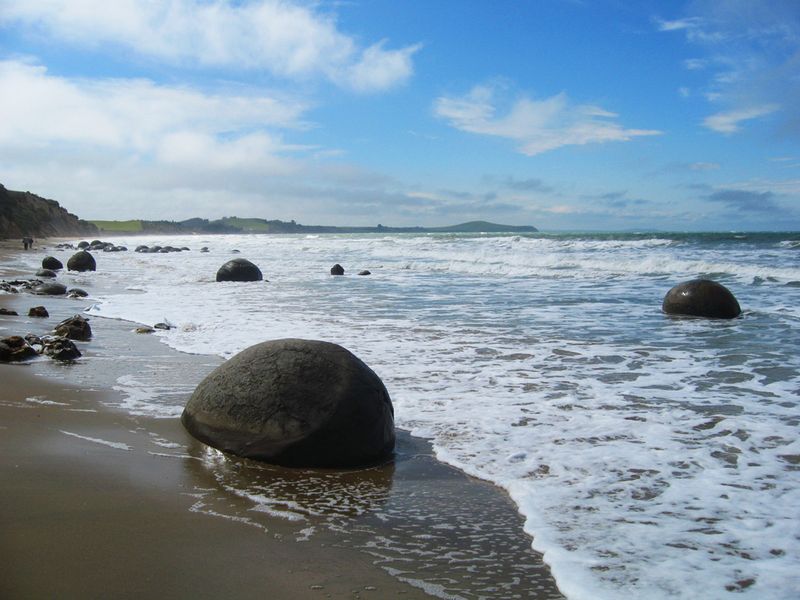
x=98, y=502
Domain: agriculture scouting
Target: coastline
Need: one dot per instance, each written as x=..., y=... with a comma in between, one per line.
x=101, y=500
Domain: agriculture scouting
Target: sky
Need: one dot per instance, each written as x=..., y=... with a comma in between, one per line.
x=562, y=114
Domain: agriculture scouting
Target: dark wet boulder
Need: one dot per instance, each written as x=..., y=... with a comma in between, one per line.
x=204, y=249
x=52, y=263
x=162, y=326
x=60, y=348
x=38, y=311
x=46, y=273
x=50, y=289
x=701, y=298
x=82, y=261
x=239, y=269
x=77, y=293
x=337, y=269
x=75, y=328
x=297, y=403
x=15, y=349
x=364, y=272
x=8, y=313
x=144, y=329
x=141, y=248
x=82, y=245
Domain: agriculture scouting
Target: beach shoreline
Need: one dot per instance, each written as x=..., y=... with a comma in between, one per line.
x=103, y=501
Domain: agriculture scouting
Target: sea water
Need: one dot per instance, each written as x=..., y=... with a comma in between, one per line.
x=651, y=456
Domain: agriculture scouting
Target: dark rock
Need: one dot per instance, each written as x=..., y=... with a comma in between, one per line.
x=164, y=326
x=204, y=249
x=15, y=349
x=239, y=269
x=75, y=328
x=144, y=329
x=185, y=249
x=8, y=288
x=77, y=293
x=296, y=403
x=97, y=243
x=45, y=273
x=83, y=245
x=234, y=251
x=8, y=313
x=364, y=272
x=52, y=263
x=60, y=348
x=82, y=261
x=141, y=248
x=50, y=289
x=337, y=269
x=701, y=298
x=38, y=311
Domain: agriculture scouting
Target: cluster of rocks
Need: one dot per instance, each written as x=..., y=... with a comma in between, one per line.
x=41, y=288
x=338, y=269
x=161, y=249
x=58, y=346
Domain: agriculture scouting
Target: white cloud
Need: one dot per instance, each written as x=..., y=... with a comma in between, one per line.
x=536, y=125
x=285, y=38
x=729, y=121
x=123, y=114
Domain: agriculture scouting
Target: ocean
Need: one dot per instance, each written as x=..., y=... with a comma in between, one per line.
x=651, y=456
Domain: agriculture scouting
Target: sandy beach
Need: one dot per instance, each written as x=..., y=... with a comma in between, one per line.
x=100, y=503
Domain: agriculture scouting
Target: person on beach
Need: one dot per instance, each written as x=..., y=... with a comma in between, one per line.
x=27, y=242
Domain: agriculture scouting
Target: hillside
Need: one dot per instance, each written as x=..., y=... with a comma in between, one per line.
x=25, y=214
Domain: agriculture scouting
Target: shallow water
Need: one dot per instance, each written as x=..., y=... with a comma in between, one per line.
x=648, y=454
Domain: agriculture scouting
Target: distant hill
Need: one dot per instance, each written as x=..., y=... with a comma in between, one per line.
x=23, y=214
x=254, y=225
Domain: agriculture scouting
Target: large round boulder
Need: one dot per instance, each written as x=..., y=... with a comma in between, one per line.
x=239, y=269
x=701, y=298
x=52, y=263
x=81, y=261
x=297, y=403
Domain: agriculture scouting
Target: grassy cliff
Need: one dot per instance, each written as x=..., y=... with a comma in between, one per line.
x=23, y=214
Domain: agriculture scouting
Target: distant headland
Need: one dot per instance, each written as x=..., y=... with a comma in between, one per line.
x=26, y=214
x=254, y=225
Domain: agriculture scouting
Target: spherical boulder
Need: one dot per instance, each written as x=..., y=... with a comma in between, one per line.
x=38, y=311
x=45, y=273
x=82, y=261
x=294, y=402
x=52, y=263
x=239, y=269
x=701, y=298
x=337, y=269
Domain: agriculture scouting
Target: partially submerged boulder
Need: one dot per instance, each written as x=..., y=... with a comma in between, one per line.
x=701, y=298
x=81, y=261
x=297, y=403
x=50, y=289
x=46, y=273
x=15, y=349
x=60, y=348
x=239, y=269
x=337, y=269
x=75, y=328
x=52, y=263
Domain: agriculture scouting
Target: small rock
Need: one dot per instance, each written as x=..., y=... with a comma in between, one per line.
x=77, y=293
x=8, y=313
x=144, y=329
x=337, y=269
x=38, y=311
x=365, y=272
x=164, y=326
x=45, y=273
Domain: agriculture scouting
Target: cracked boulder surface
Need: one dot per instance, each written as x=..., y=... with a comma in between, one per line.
x=293, y=402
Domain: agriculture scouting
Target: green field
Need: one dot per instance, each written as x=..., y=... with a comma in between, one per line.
x=132, y=226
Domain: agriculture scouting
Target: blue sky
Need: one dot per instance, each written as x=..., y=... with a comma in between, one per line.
x=563, y=114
